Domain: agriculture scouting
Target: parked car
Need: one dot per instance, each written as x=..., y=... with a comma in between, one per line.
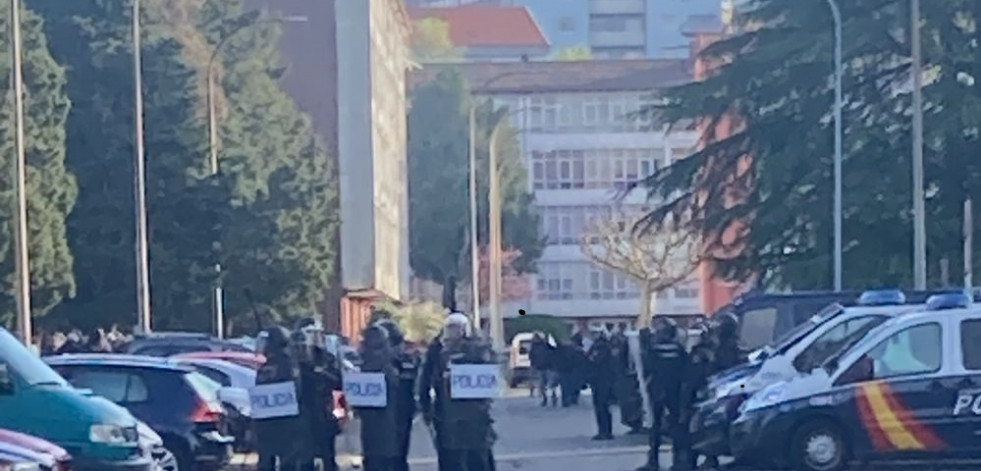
x=235, y=381
x=246, y=359
x=51, y=457
x=179, y=403
x=14, y=458
x=34, y=399
x=165, y=344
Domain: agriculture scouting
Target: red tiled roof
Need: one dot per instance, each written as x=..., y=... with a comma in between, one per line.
x=489, y=78
x=486, y=25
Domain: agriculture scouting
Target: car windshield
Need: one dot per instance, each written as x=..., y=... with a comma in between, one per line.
x=25, y=364
x=795, y=335
x=831, y=364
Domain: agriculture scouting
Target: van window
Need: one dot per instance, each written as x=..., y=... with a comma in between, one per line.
x=971, y=344
x=911, y=351
x=834, y=340
x=25, y=364
x=757, y=327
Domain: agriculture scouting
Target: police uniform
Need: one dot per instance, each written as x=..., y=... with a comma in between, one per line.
x=463, y=427
x=601, y=379
x=700, y=366
x=379, y=426
x=406, y=364
x=280, y=438
x=664, y=366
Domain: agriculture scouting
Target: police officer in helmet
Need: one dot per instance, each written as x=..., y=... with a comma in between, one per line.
x=664, y=361
x=406, y=364
x=319, y=378
x=464, y=428
x=380, y=426
x=279, y=438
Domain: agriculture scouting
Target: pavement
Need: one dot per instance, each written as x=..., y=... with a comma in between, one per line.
x=530, y=438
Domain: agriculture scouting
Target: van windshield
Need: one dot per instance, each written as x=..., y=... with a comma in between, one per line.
x=798, y=333
x=25, y=364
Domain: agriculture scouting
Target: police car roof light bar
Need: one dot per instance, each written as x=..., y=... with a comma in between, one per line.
x=944, y=301
x=882, y=297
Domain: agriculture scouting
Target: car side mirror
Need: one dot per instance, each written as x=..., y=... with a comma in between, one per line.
x=6, y=382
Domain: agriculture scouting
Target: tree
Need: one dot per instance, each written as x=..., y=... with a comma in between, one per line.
x=51, y=187
x=654, y=261
x=766, y=161
x=420, y=322
x=574, y=53
x=514, y=286
x=431, y=41
x=438, y=183
x=266, y=218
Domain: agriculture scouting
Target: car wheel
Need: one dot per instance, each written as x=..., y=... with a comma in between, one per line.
x=819, y=446
x=165, y=460
x=182, y=458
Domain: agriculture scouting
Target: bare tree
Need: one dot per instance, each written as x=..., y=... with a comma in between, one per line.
x=656, y=260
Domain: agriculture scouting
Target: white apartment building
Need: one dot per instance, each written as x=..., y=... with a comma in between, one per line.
x=582, y=147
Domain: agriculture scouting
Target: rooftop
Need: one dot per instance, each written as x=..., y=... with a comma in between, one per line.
x=490, y=78
x=476, y=25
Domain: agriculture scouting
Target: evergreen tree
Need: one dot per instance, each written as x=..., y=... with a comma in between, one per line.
x=51, y=188
x=774, y=172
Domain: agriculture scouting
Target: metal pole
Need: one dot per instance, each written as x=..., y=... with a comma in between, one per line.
x=919, y=210
x=474, y=244
x=139, y=181
x=218, y=304
x=839, y=66
x=22, y=257
x=497, y=321
x=968, y=245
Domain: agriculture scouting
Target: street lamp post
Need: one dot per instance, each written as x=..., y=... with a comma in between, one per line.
x=919, y=209
x=139, y=181
x=22, y=257
x=474, y=243
x=213, y=147
x=494, y=249
x=836, y=14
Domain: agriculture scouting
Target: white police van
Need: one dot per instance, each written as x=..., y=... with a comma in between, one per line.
x=909, y=390
x=800, y=351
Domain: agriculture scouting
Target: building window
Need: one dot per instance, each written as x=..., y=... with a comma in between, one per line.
x=567, y=23
x=687, y=290
x=588, y=112
x=556, y=281
x=566, y=225
x=612, y=24
x=593, y=168
x=605, y=284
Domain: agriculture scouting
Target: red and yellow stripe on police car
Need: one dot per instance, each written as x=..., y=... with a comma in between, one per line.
x=889, y=423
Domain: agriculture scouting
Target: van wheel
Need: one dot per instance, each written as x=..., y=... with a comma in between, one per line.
x=819, y=446
x=173, y=456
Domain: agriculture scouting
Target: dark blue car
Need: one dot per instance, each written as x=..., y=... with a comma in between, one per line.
x=180, y=404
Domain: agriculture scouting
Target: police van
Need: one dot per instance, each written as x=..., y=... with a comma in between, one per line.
x=908, y=390
x=800, y=351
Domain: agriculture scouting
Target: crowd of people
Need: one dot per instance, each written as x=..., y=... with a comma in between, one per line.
x=672, y=375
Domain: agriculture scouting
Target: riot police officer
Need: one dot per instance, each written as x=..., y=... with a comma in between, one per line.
x=700, y=366
x=281, y=437
x=406, y=363
x=379, y=426
x=726, y=338
x=601, y=380
x=319, y=378
x=664, y=366
x=464, y=431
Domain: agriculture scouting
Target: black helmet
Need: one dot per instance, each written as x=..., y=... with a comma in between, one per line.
x=726, y=325
x=665, y=328
x=395, y=336
x=374, y=336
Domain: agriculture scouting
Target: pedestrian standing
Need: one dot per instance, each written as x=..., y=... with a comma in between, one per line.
x=664, y=366
x=699, y=368
x=431, y=397
x=379, y=426
x=406, y=363
x=542, y=356
x=601, y=380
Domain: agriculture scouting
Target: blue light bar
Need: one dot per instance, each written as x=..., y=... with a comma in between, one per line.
x=944, y=301
x=882, y=297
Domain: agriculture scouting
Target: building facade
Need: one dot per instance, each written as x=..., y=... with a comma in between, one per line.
x=349, y=59
x=611, y=28
x=582, y=148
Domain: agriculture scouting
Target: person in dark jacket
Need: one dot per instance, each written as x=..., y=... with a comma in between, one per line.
x=406, y=364
x=542, y=356
x=326, y=379
x=664, y=366
x=280, y=437
x=571, y=365
x=380, y=426
x=464, y=430
x=601, y=379
x=727, y=351
x=626, y=387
